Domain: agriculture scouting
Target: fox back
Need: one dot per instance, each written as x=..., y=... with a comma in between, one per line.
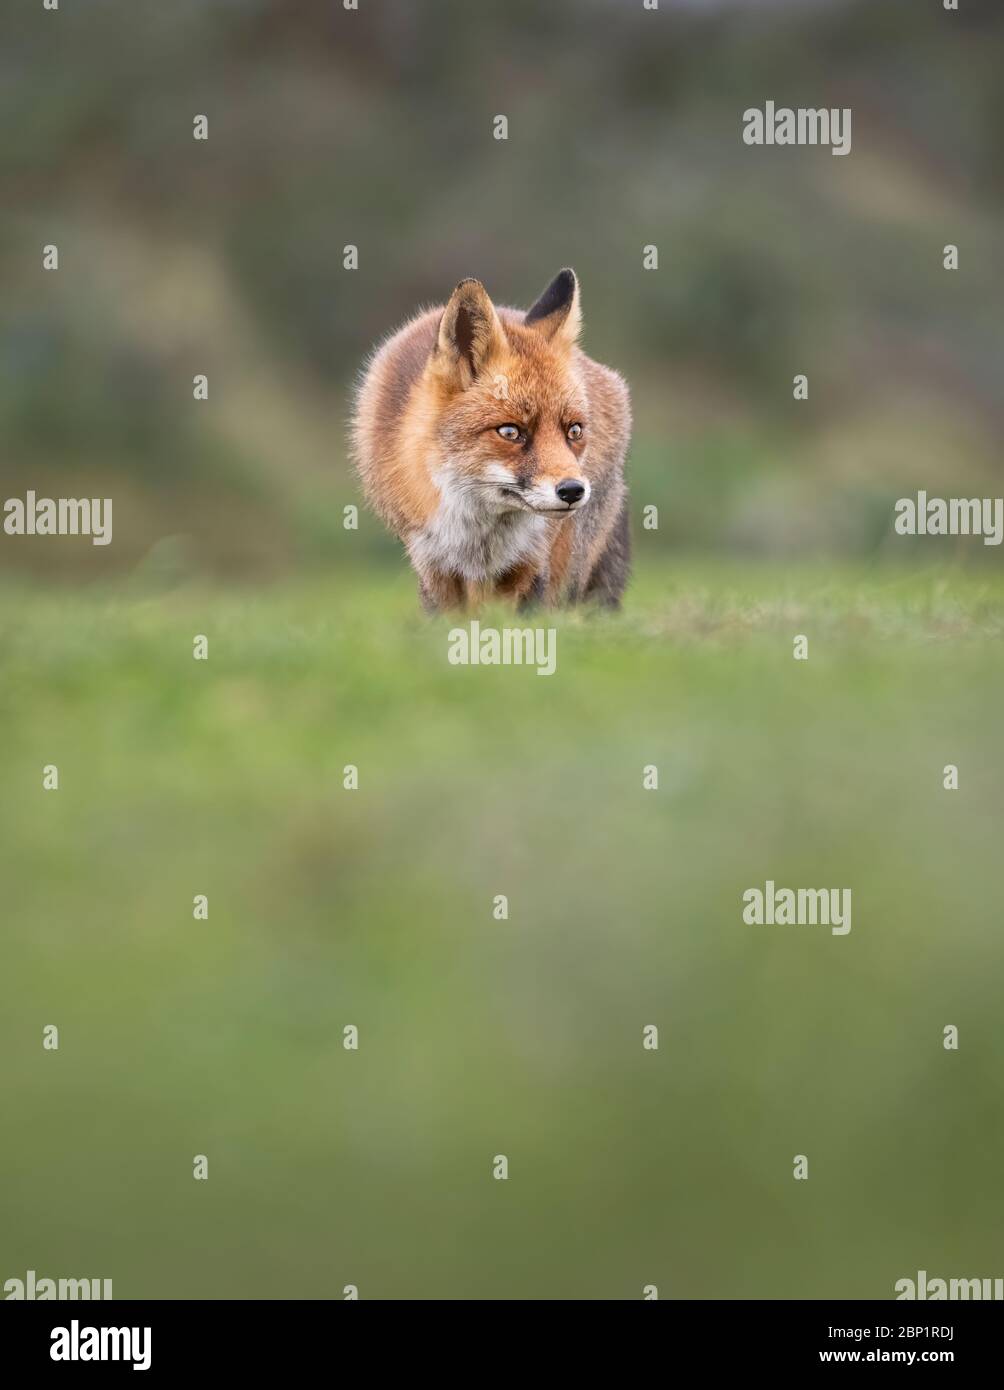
x=494, y=448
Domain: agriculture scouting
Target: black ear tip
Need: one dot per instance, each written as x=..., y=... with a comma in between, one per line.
x=558, y=295
x=562, y=287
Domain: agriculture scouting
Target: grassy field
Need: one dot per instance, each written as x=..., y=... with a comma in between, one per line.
x=523, y=1037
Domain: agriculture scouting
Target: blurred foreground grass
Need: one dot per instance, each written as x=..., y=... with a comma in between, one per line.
x=374, y=908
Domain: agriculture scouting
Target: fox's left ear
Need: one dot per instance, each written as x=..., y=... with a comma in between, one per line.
x=556, y=313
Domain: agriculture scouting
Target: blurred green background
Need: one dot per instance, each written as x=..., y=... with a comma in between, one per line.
x=328, y=907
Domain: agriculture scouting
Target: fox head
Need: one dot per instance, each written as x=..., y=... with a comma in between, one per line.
x=511, y=412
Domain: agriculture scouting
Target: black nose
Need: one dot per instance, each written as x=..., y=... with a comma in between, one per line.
x=570, y=491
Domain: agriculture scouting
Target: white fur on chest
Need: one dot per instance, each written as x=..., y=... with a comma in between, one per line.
x=469, y=535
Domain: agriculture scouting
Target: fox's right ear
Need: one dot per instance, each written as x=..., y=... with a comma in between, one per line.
x=470, y=334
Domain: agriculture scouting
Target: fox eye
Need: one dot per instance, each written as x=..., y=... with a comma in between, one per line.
x=575, y=431
x=510, y=432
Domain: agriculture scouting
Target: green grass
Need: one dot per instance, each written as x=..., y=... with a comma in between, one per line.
x=478, y=1037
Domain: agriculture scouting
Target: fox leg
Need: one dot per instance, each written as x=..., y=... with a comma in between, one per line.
x=535, y=595
x=440, y=592
x=520, y=585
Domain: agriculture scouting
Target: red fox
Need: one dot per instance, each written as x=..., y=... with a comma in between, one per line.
x=494, y=448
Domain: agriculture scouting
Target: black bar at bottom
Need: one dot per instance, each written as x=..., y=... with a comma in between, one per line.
x=173, y=1338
